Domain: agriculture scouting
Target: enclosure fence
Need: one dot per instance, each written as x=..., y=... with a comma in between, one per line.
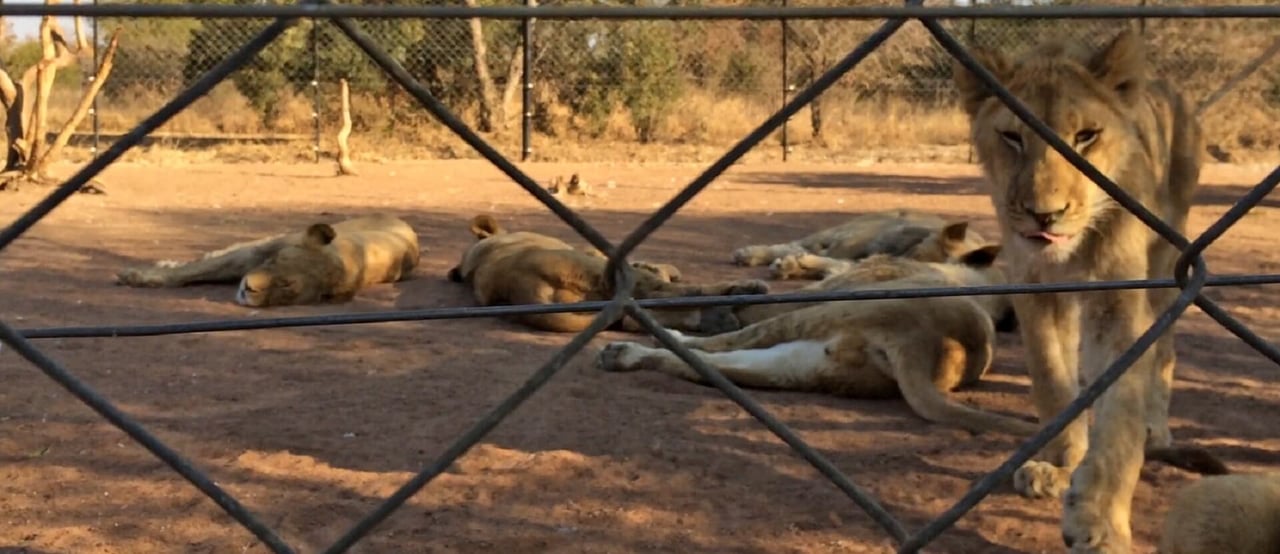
x=1191, y=275
x=536, y=88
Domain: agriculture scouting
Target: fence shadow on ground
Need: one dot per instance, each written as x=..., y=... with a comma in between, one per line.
x=910, y=184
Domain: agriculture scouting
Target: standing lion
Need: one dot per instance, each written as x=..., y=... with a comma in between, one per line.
x=1057, y=225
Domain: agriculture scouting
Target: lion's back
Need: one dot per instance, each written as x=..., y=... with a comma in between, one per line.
x=382, y=248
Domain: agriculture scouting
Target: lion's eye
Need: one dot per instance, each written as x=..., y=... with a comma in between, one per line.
x=1086, y=137
x=1014, y=140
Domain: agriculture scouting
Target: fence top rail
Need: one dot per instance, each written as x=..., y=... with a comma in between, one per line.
x=634, y=12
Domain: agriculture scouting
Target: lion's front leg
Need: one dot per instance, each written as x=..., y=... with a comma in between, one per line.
x=711, y=319
x=1163, y=256
x=1049, y=324
x=223, y=266
x=1096, y=506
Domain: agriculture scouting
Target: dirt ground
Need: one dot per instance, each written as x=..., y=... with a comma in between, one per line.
x=312, y=427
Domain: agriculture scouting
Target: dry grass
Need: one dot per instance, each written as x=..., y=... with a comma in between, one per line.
x=700, y=127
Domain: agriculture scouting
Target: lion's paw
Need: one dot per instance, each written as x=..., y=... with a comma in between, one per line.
x=135, y=277
x=1159, y=436
x=718, y=319
x=1037, y=479
x=786, y=267
x=749, y=256
x=617, y=357
x=747, y=286
x=1088, y=532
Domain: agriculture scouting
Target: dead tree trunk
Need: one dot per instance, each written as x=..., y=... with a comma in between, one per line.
x=514, y=69
x=814, y=61
x=488, y=91
x=26, y=122
x=344, y=150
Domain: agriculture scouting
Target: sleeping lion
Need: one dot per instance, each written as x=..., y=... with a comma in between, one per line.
x=522, y=267
x=324, y=263
x=905, y=233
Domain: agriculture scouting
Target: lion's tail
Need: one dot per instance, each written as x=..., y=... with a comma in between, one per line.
x=1190, y=458
x=911, y=369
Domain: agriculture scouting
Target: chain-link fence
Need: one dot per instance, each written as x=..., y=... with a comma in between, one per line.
x=593, y=82
x=1191, y=274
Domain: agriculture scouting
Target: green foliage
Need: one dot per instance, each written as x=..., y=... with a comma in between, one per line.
x=25, y=54
x=742, y=74
x=151, y=50
x=265, y=79
x=650, y=74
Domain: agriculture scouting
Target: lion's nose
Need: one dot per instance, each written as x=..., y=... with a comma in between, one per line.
x=1046, y=217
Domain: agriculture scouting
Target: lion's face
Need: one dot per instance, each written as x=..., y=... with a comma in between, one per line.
x=1045, y=205
x=298, y=274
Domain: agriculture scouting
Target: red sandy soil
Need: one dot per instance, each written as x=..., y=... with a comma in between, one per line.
x=311, y=427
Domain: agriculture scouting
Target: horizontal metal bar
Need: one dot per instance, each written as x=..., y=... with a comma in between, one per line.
x=98, y=403
x=1213, y=233
x=468, y=312
x=397, y=73
x=1052, y=428
x=161, y=116
x=1024, y=113
x=740, y=149
x=634, y=12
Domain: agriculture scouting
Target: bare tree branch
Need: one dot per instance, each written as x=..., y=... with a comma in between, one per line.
x=82, y=42
x=56, y=55
x=514, y=69
x=344, y=150
x=488, y=92
x=82, y=109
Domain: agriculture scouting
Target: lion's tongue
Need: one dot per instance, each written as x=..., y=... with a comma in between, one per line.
x=1052, y=238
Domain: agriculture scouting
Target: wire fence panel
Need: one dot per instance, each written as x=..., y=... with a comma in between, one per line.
x=660, y=83
x=632, y=71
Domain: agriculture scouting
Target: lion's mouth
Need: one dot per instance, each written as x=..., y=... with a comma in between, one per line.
x=1046, y=238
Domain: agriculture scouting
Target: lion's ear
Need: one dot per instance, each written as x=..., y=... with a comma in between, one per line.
x=982, y=257
x=973, y=92
x=1122, y=64
x=955, y=231
x=320, y=234
x=484, y=226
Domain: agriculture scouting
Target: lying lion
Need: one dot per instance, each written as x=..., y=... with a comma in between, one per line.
x=905, y=233
x=324, y=263
x=530, y=268
x=879, y=271
x=1239, y=514
x=918, y=348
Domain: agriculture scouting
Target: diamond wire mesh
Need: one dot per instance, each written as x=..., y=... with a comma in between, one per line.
x=1191, y=276
x=642, y=81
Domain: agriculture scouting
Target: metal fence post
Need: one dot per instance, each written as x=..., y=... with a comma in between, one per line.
x=93, y=109
x=526, y=86
x=786, y=87
x=315, y=85
x=973, y=38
